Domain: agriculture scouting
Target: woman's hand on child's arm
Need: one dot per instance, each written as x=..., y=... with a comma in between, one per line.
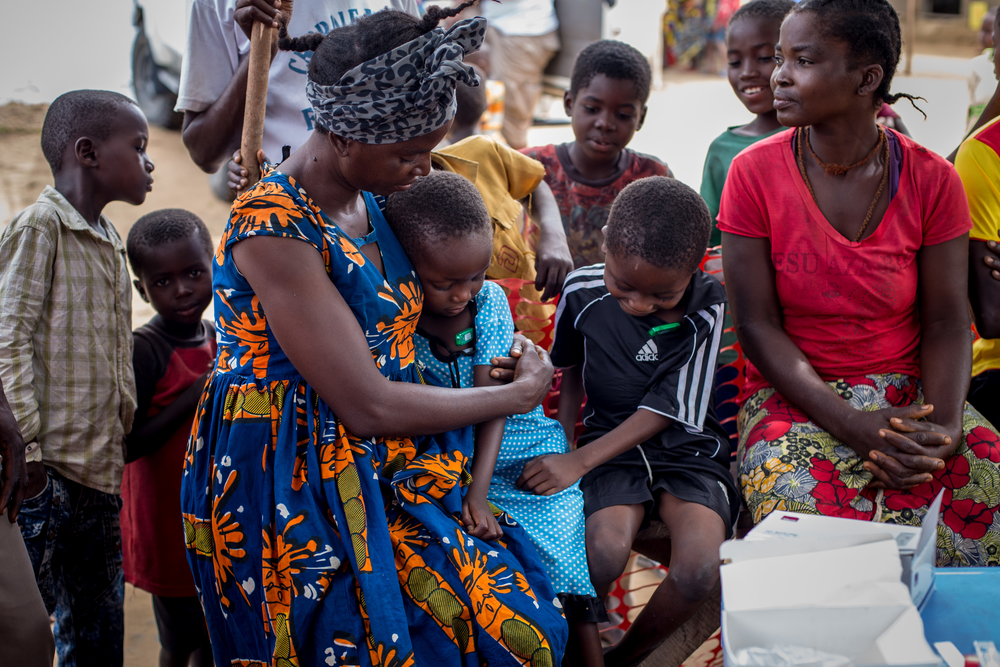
x=503, y=367
x=508, y=369
x=321, y=337
x=553, y=259
x=552, y=473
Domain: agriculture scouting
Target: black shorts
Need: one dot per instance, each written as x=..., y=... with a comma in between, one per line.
x=637, y=477
x=181, y=624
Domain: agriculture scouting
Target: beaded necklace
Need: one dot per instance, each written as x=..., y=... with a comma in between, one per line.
x=802, y=136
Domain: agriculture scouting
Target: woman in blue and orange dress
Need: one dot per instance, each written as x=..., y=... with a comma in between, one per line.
x=320, y=530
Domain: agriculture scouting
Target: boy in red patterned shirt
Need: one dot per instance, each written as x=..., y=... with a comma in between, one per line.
x=607, y=103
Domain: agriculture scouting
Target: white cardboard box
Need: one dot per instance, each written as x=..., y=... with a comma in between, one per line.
x=835, y=585
x=917, y=546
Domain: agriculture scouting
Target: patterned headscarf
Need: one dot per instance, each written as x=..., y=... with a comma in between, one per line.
x=403, y=94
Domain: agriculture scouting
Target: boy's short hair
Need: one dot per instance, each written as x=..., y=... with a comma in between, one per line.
x=161, y=227
x=774, y=10
x=660, y=220
x=437, y=207
x=615, y=60
x=79, y=113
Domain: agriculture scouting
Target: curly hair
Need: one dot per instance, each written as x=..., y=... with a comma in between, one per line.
x=343, y=49
x=438, y=207
x=870, y=29
x=660, y=220
x=79, y=113
x=161, y=227
x=615, y=60
x=769, y=10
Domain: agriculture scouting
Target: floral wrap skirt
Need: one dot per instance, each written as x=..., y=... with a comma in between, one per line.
x=789, y=463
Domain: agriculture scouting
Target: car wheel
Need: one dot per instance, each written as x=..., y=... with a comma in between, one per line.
x=156, y=100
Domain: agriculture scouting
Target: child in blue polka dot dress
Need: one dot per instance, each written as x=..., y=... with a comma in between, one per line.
x=444, y=227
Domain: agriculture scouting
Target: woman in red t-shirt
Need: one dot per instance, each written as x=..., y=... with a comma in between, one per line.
x=845, y=251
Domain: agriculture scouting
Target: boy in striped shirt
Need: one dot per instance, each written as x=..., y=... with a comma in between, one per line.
x=639, y=336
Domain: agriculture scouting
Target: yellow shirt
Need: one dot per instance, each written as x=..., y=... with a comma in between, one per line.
x=979, y=167
x=503, y=177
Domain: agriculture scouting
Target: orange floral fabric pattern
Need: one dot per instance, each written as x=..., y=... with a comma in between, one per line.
x=312, y=546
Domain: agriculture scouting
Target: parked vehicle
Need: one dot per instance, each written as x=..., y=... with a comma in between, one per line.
x=160, y=40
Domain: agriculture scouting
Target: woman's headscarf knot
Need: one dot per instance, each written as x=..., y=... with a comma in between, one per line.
x=405, y=93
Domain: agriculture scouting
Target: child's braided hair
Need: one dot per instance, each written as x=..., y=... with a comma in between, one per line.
x=870, y=29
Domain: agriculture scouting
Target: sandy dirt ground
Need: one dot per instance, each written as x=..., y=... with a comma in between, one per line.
x=684, y=116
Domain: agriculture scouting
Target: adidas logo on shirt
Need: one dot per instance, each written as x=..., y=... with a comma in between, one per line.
x=648, y=352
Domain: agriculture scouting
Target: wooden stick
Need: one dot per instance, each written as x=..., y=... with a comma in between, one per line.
x=261, y=39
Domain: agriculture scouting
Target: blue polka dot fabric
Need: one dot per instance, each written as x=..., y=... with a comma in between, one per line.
x=555, y=524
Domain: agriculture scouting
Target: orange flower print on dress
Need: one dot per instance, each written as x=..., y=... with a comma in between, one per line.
x=436, y=475
x=228, y=540
x=246, y=330
x=280, y=555
x=399, y=330
x=351, y=251
x=517, y=634
x=427, y=588
x=389, y=657
x=265, y=209
x=399, y=452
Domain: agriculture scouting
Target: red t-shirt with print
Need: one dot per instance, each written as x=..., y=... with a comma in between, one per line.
x=852, y=308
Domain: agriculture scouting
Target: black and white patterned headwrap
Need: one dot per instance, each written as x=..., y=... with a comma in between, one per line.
x=403, y=94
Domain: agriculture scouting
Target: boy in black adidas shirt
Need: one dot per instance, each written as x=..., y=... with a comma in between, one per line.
x=639, y=335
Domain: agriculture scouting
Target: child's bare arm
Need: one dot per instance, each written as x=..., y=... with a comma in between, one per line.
x=551, y=474
x=552, y=257
x=570, y=401
x=148, y=435
x=476, y=515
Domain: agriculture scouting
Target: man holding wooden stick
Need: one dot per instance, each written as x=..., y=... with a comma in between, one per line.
x=213, y=84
